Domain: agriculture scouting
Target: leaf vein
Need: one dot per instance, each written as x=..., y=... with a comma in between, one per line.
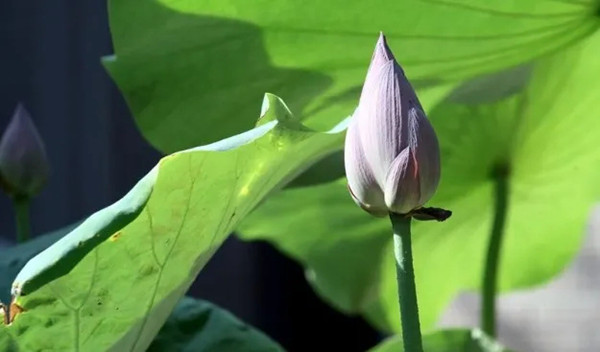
x=162, y=266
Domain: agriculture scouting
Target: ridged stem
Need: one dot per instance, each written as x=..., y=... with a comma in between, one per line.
x=407, y=293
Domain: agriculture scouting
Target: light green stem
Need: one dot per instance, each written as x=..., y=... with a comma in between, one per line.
x=21, y=206
x=490, y=275
x=407, y=293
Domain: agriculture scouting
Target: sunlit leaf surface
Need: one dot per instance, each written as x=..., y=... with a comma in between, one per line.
x=192, y=70
x=111, y=283
x=546, y=135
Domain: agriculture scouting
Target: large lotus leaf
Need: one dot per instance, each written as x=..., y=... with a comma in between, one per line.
x=194, y=325
x=547, y=135
x=111, y=283
x=199, y=326
x=179, y=62
x=453, y=340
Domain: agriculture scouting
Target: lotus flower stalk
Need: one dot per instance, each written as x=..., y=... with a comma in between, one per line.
x=392, y=160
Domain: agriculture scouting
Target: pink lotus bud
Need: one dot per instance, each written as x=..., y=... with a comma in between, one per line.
x=23, y=162
x=392, y=155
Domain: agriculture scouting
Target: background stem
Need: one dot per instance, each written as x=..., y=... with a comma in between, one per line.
x=21, y=205
x=407, y=293
x=490, y=275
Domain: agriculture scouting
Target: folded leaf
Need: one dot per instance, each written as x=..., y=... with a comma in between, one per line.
x=105, y=288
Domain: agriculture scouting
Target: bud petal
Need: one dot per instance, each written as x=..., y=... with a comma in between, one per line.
x=385, y=100
x=23, y=162
x=423, y=141
x=402, y=190
x=381, y=55
x=362, y=184
x=399, y=146
x=379, y=122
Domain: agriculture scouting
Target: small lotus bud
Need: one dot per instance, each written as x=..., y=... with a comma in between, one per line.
x=23, y=162
x=392, y=155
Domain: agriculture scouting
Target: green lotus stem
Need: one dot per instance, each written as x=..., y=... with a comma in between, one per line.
x=407, y=293
x=490, y=274
x=21, y=206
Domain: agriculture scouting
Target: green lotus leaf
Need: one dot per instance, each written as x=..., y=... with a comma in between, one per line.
x=110, y=284
x=197, y=325
x=545, y=136
x=194, y=325
x=192, y=70
x=454, y=340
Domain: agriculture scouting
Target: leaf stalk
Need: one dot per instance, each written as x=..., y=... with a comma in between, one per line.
x=492, y=262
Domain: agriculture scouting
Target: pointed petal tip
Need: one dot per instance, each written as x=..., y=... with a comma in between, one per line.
x=21, y=112
x=21, y=124
x=382, y=50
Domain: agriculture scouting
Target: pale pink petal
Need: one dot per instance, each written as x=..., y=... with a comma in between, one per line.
x=362, y=184
x=380, y=121
x=402, y=190
x=381, y=56
x=424, y=143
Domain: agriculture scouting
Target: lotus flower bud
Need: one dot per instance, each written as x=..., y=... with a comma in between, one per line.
x=392, y=155
x=23, y=162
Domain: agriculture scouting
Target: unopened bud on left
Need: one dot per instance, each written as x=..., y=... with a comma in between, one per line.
x=24, y=165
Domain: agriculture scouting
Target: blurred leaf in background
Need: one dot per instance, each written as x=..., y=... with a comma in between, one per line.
x=546, y=136
x=454, y=340
x=192, y=70
x=197, y=325
x=12, y=259
x=112, y=282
